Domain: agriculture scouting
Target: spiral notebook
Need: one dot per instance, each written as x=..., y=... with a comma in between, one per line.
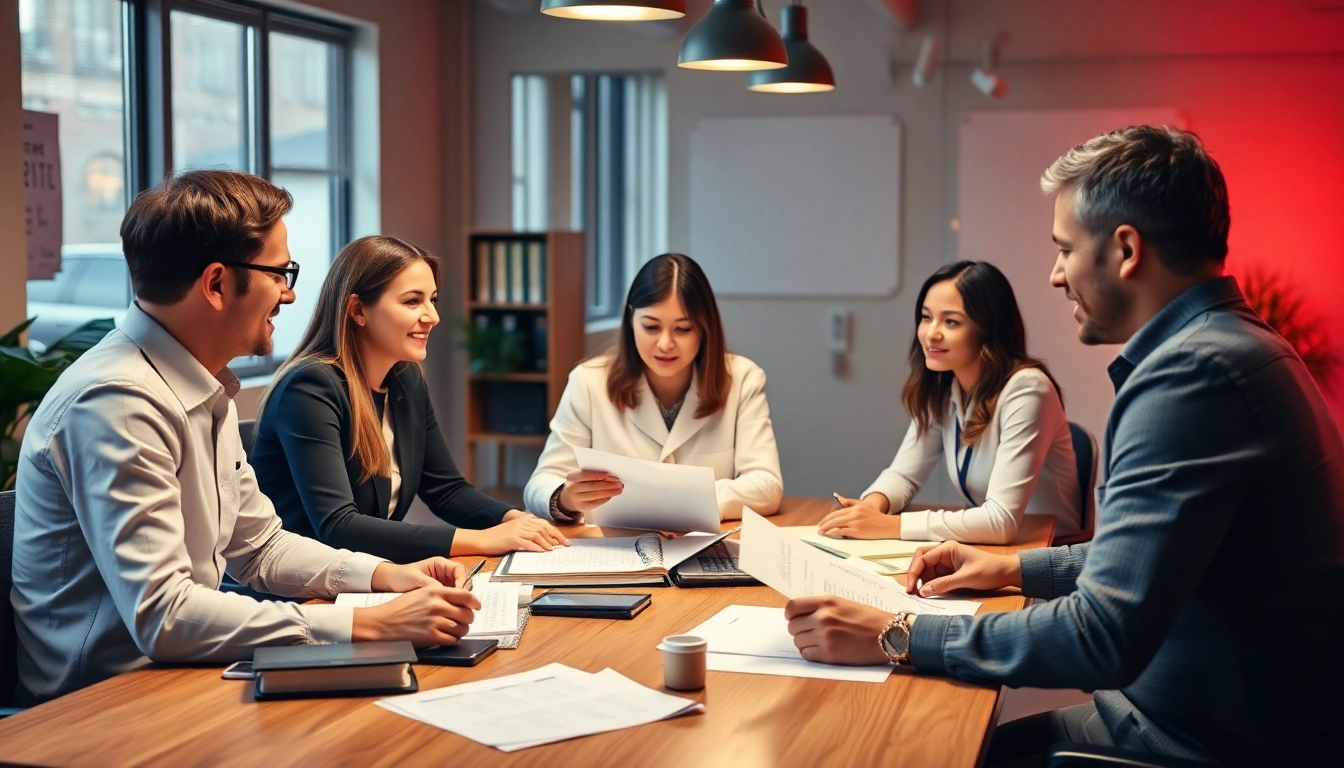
x=631, y=561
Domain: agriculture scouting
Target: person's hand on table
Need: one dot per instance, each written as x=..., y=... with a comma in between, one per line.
x=588, y=489
x=432, y=610
x=861, y=519
x=952, y=565
x=520, y=531
x=834, y=630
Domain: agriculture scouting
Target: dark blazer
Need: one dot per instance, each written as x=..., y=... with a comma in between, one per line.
x=302, y=460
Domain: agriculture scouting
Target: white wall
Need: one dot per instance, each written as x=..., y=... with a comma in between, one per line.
x=1260, y=85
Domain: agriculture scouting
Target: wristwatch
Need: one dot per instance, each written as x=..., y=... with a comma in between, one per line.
x=895, y=638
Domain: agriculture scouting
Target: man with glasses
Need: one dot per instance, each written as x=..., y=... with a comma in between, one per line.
x=134, y=494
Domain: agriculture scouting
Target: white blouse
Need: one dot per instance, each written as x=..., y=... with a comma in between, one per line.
x=737, y=442
x=1023, y=463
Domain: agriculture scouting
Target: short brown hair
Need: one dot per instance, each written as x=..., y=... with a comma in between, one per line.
x=1157, y=179
x=661, y=278
x=192, y=220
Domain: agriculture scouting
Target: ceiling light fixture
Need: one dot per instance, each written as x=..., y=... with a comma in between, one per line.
x=807, y=72
x=615, y=10
x=733, y=37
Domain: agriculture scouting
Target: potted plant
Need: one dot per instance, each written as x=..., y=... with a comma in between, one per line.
x=492, y=349
x=1283, y=307
x=25, y=379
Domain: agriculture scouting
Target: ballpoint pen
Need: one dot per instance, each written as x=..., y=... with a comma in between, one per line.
x=466, y=583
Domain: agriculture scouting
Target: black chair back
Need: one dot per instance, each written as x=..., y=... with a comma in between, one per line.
x=9, y=641
x=1085, y=455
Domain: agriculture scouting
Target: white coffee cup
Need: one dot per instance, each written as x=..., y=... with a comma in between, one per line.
x=684, y=659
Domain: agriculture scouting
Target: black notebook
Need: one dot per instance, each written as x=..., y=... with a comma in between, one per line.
x=339, y=669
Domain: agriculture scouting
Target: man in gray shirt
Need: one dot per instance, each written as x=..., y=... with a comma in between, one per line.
x=134, y=494
x=1219, y=548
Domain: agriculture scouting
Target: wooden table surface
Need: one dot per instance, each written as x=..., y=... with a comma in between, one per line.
x=175, y=716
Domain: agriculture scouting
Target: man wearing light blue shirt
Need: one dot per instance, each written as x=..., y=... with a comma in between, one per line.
x=1208, y=611
x=134, y=494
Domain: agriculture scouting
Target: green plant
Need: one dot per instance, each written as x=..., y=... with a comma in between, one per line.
x=25, y=379
x=1283, y=307
x=491, y=349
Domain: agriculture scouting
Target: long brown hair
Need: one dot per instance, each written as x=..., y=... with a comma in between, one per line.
x=665, y=276
x=992, y=307
x=363, y=269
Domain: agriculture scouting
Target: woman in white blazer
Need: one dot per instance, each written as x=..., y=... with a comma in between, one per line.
x=982, y=406
x=670, y=392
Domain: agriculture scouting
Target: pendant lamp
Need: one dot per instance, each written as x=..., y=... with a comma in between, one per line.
x=615, y=10
x=733, y=36
x=807, y=72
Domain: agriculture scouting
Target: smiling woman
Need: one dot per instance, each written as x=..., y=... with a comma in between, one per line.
x=347, y=438
x=989, y=410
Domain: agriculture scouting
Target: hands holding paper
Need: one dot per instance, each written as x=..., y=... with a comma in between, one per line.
x=864, y=518
x=588, y=489
x=433, y=611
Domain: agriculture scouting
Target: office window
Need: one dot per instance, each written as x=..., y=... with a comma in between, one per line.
x=617, y=168
x=247, y=89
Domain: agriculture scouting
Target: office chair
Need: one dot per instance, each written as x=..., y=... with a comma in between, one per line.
x=247, y=430
x=1085, y=454
x=9, y=641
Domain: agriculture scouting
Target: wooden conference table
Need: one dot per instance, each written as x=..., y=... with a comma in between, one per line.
x=190, y=716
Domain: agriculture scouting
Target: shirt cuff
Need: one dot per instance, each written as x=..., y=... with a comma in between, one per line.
x=357, y=576
x=1038, y=579
x=329, y=623
x=927, y=638
x=915, y=526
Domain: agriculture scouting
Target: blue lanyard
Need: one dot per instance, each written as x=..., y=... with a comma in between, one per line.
x=965, y=465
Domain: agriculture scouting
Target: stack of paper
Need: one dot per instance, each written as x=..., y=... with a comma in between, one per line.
x=881, y=556
x=500, y=617
x=545, y=705
x=756, y=640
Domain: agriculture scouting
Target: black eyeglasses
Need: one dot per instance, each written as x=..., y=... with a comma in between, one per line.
x=290, y=272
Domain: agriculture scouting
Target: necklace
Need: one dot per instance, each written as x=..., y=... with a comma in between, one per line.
x=670, y=412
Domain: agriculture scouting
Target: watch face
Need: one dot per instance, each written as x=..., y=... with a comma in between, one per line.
x=896, y=641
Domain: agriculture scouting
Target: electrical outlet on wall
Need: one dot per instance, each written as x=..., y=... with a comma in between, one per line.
x=838, y=322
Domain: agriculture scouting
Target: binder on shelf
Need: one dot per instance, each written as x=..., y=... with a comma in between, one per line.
x=517, y=276
x=536, y=274
x=501, y=273
x=483, y=272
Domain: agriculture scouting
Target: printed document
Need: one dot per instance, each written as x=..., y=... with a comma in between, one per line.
x=756, y=640
x=657, y=497
x=548, y=704
x=795, y=568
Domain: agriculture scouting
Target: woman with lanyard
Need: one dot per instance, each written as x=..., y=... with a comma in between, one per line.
x=987, y=409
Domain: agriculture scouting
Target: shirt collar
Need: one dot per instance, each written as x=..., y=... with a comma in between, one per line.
x=180, y=369
x=1195, y=301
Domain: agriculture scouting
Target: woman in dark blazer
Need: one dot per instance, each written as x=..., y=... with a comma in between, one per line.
x=341, y=457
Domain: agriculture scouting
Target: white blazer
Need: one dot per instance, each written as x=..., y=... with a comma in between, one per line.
x=1023, y=463
x=737, y=442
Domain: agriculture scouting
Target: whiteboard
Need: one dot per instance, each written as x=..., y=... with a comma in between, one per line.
x=1007, y=221
x=797, y=206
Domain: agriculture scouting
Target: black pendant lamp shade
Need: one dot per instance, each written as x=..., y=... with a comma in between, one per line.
x=733, y=36
x=807, y=72
x=615, y=10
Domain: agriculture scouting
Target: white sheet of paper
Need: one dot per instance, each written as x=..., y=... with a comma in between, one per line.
x=678, y=549
x=795, y=568
x=524, y=590
x=616, y=555
x=859, y=547
x=498, y=614
x=657, y=497
x=544, y=705
x=761, y=665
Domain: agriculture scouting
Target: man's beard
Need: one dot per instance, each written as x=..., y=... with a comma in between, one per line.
x=1103, y=317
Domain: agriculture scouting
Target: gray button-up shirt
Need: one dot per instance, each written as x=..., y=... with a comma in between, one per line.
x=134, y=497
x=1208, y=611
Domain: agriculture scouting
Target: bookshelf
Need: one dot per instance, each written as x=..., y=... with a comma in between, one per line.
x=525, y=297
